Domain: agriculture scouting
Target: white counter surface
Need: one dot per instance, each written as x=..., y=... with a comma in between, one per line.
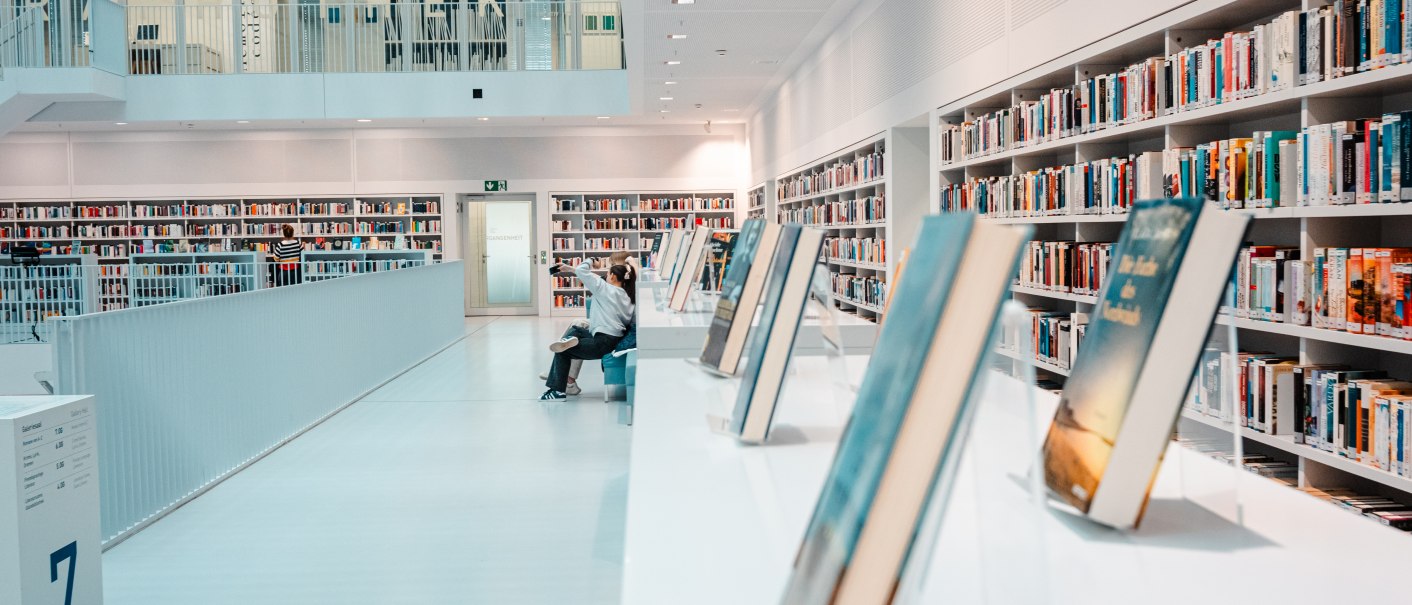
x=662, y=332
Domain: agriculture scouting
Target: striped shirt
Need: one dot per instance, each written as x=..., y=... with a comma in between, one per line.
x=286, y=251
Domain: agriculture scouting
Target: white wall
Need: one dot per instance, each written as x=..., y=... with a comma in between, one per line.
x=897, y=60
x=448, y=162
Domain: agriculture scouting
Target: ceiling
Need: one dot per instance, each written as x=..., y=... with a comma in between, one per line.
x=762, y=41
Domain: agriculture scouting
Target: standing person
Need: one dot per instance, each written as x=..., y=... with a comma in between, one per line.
x=285, y=257
x=581, y=325
x=609, y=316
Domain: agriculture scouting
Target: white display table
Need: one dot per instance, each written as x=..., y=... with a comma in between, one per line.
x=667, y=334
x=710, y=521
x=49, y=500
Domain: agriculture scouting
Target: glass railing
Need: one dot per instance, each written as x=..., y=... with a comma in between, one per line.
x=314, y=37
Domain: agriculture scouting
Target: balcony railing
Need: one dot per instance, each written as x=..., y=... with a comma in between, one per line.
x=373, y=37
x=32, y=37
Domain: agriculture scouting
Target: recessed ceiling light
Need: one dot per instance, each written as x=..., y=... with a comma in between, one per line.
x=364, y=120
x=665, y=98
x=670, y=82
x=683, y=1
x=602, y=117
x=676, y=36
x=242, y=121
x=120, y=123
x=665, y=111
x=671, y=62
x=483, y=119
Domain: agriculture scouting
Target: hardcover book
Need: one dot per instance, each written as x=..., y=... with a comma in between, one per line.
x=791, y=275
x=688, y=272
x=899, y=450
x=1121, y=402
x=740, y=295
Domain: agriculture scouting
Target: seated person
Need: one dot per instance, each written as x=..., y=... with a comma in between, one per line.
x=608, y=319
x=617, y=258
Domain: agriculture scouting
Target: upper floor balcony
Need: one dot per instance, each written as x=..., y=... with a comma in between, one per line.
x=312, y=59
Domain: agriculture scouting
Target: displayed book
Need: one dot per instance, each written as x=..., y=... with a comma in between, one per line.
x=791, y=275
x=718, y=255
x=692, y=260
x=671, y=253
x=900, y=448
x=740, y=295
x=1144, y=339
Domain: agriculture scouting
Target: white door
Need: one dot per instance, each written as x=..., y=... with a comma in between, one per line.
x=499, y=252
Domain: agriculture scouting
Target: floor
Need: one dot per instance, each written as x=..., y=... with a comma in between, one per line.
x=451, y=484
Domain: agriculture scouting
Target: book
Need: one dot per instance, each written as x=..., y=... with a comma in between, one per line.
x=1122, y=399
x=688, y=271
x=791, y=275
x=667, y=259
x=908, y=428
x=740, y=295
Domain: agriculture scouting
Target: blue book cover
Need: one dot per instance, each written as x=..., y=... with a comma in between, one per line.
x=731, y=289
x=882, y=405
x=774, y=294
x=1096, y=397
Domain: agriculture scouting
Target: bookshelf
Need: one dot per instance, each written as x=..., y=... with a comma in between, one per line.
x=320, y=265
x=57, y=285
x=156, y=278
x=1147, y=143
x=846, y=195
x=112, y=230
x=757, y=204
x=590, y=227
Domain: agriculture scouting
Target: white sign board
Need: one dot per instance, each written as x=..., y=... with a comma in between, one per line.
x=49, y=533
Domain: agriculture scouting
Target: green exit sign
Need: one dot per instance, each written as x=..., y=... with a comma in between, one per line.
x=497, y=186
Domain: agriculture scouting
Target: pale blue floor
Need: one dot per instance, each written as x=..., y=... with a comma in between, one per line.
x=448, y=485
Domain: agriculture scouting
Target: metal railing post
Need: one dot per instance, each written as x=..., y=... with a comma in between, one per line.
x=237, y=37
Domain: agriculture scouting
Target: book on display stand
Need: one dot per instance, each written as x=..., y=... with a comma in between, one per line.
x=1146, y=335
x=688, y=273
x=667, y=260
x=899, y=452
x=740, y=296
x=772, y=342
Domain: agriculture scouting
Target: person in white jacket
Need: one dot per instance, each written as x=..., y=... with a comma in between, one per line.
x=617, y=258
x=609, y=316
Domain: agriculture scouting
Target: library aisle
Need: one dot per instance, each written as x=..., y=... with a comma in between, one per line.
x=450, y=484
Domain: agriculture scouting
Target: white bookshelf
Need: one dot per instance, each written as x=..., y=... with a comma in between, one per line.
x=756, y=206
x=53, y=286
x=156, y=278
x=1351, y=97
x=578, y=220
x=112, y=230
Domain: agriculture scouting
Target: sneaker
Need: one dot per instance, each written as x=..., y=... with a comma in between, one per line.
x=564, y=344
x=552, y=395
x=573, y=389
x=581, y=323
x=544, y=375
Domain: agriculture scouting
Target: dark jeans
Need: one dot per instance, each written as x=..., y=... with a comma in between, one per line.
x=286, y=277
x=591, y=346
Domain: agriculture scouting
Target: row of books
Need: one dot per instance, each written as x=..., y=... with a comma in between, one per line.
x=1296, y=48
x=865, y=290
x=1361, y=415
x=569, y=301
x=1054, y=337
x=659, y=204
x=863, y=168
x=100, y=211
x=1356, y=290
x=566, y=283
x=607, y=243
x=715, y=203
x=606, y=205
x=1070, y=267
x=105, y=231
x=47, y=292
x=861, y=211
x=43, y=212
x=217, y=210
x=872, y=250
x=567, y=244
x=1099, y=187
x=662, y=223
x=215, y=229
x=722, y=222
x=610, y=224
x=425, y=226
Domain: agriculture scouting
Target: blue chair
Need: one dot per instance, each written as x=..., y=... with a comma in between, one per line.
x=620, y=368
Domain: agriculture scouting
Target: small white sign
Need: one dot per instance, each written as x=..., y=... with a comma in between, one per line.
x=50, y=539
